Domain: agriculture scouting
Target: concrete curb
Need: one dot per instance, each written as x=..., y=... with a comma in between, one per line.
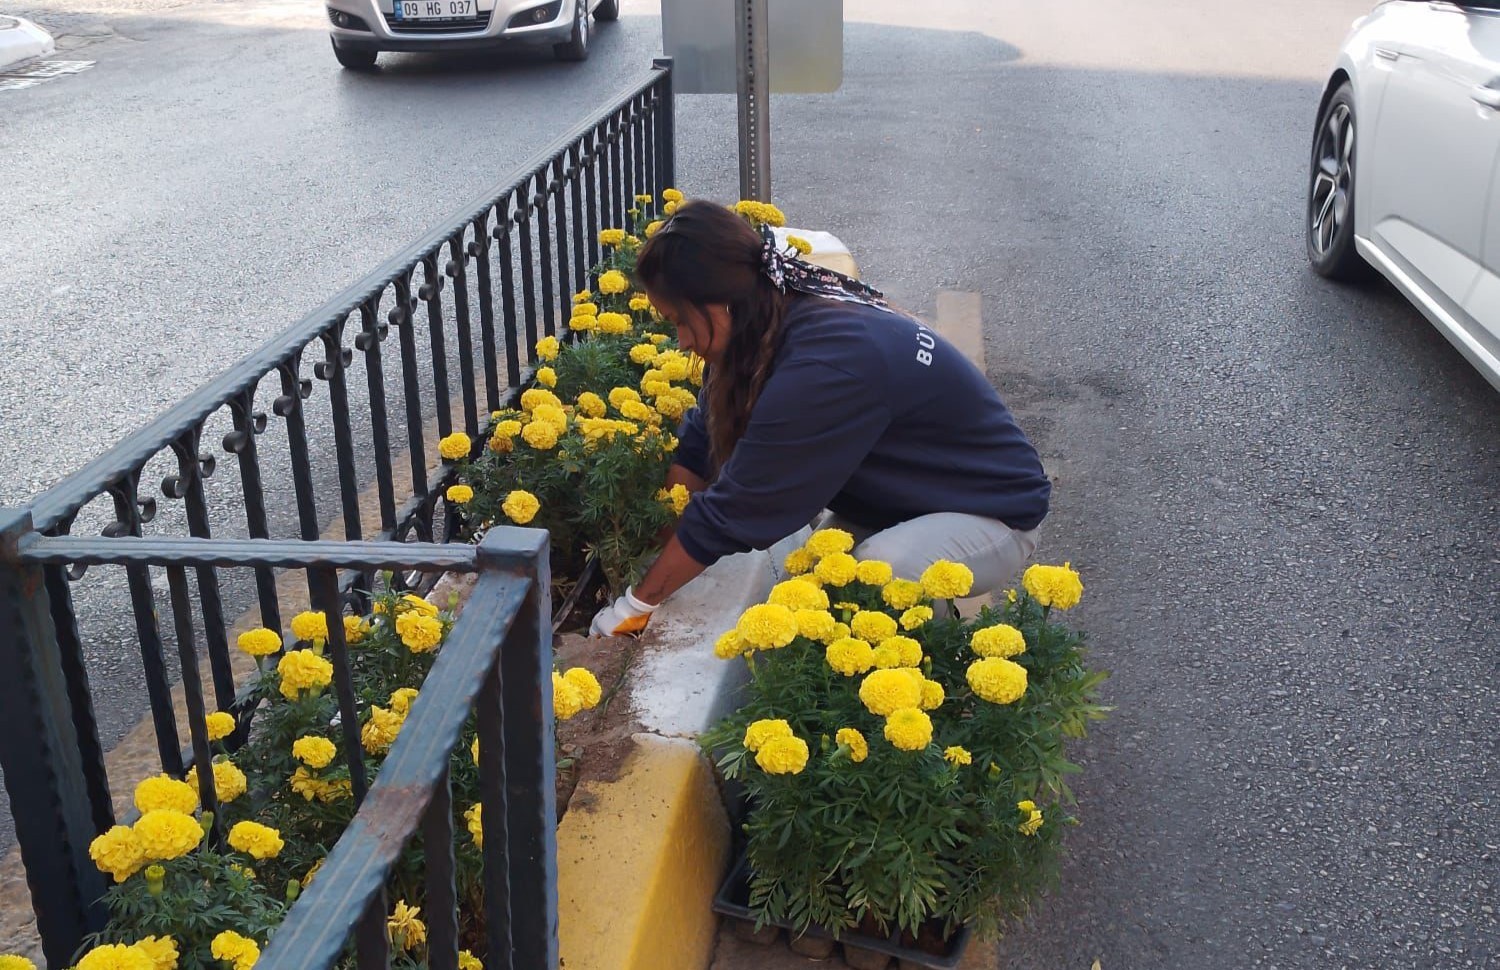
x=21, y=40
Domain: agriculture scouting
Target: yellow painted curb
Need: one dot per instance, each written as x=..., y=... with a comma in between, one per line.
x=638, y=862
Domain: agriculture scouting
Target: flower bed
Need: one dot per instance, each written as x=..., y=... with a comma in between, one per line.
x=905, y=767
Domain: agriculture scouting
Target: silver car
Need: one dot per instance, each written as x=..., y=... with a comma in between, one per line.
x=361, y=29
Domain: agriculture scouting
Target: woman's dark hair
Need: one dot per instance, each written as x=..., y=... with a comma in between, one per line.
x=706, y=255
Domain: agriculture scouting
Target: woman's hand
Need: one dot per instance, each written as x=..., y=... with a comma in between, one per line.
x=626, y=615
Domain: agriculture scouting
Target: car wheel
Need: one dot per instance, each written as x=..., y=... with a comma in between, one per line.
x=577, y=47
x=607, y=10
x=1330, y=192
x=354, y=59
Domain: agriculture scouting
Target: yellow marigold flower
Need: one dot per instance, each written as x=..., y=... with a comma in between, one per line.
x=259, y=642
x=474, y=819
x=614, y=323
x=840, y=631
x=520, y=506
x=932, y=695
x=583, y=322
x=401, y=699
x=908, y=651
x=826, y=542
x=586, y=684
x=474, y=752
x=873, y=626
x=254, y=839
x=356, y=628
x=219, y=725
x=407, y=930
x=729, y=645
x=540, y=435
x=859, y=748
x=534, y=397
x=802, y=246
x=997, y=680
x=411, y=601
x=849, y=656
x=167, y=834
x=767, y=626
x=508, y=428
x=886, y=691
x=816, y=624
x=231, y=947
x=945, y=580
x=312, y=872
x=315, y=752
x=1001, y=640
x=455, y=446
x=548, y=348
x=163, y=791
x=886, y=658
x=640, y=302
x=909, y=729
x=583, y=296
x=459, y=494
x=9, y=962
x=551, y=414
x=675, y=369
x=310, y=626
x=115, y=956
x=1058, y=586
x=957, y=756
x=567, y=699
x=671, y=195
x=635, y=410
x=302, y=670
x=310, y=786
x=873, y=572
x=419, y=632
x=782, y=756
x=655, y=387
x=915, y=617
x=678, y=498
x=620, y=395
x=613, y=282
x=670, y=209
x=162, y=951
x=229, y=781
x=585, y=309
x=590, y=404
x=546, y=376
x=670, y=407
x=468, y=961
x=1033, y=815
x=800, y=561
x=380, y=731
x=643, y=353
x=653, y=227
x=118, y=852
x=901, y=594
x=611, y=237
x=657, y=338
x=796, y=594
x=836, y=570
x=759, y=732
x=760, y=213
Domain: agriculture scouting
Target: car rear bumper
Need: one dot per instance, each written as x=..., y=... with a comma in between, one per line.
x=499, y=23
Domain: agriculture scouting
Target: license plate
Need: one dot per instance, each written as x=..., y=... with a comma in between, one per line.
x=436, y=9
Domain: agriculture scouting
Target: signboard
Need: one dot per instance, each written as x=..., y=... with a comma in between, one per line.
x=804, y=38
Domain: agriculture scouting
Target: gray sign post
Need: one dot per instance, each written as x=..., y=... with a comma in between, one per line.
x=752, y=48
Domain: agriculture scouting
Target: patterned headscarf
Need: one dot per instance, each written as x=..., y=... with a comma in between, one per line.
x=788, y=272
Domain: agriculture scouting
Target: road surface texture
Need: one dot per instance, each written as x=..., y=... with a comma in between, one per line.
x=1283, y=494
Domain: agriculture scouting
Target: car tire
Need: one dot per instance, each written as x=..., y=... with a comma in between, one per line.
x=355, y=59
x=577, y=46
x=1331, y=192
x=608, y=10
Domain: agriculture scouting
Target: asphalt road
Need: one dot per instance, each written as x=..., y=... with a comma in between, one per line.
x=1282, y=493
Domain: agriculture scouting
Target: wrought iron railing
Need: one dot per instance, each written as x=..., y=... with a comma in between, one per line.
x=465, y=306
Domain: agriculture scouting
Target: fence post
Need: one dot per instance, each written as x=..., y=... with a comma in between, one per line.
x=666, y=132
x=44, y=772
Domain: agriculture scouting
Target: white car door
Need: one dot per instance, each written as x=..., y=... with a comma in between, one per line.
x=1435, y=142
x=1483, y=305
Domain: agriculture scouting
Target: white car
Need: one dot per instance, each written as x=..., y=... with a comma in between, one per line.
x=1405, y=173
x=361, y=29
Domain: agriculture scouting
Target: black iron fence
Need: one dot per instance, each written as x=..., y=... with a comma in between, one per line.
x=429, y=343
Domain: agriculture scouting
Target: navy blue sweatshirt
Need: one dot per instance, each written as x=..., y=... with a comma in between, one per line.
x=871, y=415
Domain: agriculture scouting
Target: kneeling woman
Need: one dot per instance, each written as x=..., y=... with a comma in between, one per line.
x=818, y=396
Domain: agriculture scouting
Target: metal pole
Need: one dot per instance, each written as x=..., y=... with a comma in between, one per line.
x=44, y=771
x=754, y=99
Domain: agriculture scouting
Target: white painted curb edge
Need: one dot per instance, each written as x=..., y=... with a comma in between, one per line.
x=22, y=40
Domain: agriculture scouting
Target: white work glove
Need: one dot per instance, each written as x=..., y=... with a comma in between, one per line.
x=626, y=615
